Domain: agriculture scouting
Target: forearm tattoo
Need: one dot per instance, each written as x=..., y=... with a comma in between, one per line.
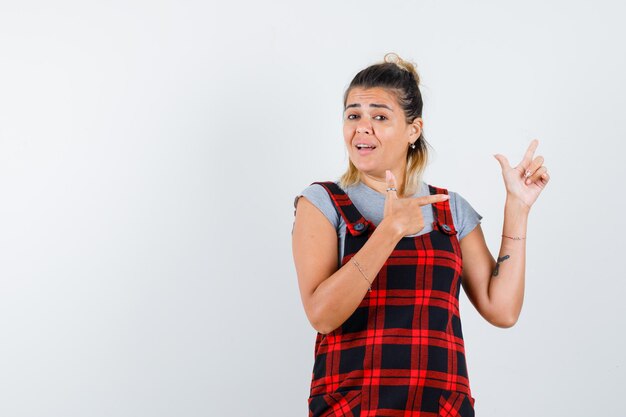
x=500, y=260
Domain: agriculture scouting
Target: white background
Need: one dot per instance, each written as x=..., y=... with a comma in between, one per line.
x=150, y=152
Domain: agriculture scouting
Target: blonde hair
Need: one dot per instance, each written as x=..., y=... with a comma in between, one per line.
x=401, y=79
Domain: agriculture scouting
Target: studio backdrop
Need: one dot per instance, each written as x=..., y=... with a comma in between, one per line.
x=150, y=153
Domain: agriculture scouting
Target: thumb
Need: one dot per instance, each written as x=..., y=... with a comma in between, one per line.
x=504, y=163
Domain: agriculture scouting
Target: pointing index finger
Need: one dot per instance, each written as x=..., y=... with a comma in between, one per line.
x=530, y=152
x=431, y=199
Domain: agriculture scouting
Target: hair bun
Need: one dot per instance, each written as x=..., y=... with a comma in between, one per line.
x=393, y=58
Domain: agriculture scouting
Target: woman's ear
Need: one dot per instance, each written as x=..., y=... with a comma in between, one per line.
x=416, y=129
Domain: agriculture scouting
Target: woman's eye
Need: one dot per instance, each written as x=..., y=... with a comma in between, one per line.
x=356, y=116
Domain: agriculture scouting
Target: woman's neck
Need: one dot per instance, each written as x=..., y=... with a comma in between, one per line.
x=379, y=184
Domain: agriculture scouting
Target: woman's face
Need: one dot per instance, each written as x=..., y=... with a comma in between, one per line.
x=376, y=133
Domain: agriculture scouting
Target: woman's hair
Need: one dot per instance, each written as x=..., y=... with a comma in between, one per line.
x=400, y=78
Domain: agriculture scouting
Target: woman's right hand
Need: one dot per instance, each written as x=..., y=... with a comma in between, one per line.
x=405, y=214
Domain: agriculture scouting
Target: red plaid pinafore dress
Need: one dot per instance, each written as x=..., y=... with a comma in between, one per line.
x=401, y=353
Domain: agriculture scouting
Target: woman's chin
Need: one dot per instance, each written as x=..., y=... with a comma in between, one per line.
x=371, y=171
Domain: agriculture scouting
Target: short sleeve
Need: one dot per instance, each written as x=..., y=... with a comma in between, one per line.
x=464, y=216
x=319, y=197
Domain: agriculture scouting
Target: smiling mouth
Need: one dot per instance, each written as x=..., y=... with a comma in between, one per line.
x=363, y=146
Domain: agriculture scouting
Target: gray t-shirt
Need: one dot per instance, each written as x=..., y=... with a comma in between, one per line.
x=371, y=205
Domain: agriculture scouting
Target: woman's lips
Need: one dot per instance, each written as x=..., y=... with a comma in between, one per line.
x=365, y=151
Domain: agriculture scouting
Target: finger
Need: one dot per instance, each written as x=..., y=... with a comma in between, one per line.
x=534, y=166
x=431, y=199
x=545, y=178
x=536, y=175
x=504, y=163
x=528, y=156
x=391, y=183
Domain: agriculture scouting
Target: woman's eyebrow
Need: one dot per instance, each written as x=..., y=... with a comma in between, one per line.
x=384, y=106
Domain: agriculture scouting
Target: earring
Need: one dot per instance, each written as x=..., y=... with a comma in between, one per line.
x=412, y=145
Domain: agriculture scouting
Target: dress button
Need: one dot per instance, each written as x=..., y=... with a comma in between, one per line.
x=445, y=227
x=359, y=226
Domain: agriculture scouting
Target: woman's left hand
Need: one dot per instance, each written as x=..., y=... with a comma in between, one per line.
x=525, y=181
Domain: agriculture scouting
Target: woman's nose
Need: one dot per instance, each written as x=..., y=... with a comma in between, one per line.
x=364, y=128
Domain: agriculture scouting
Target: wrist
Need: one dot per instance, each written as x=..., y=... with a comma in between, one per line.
x=390, y=230
x=516, y=204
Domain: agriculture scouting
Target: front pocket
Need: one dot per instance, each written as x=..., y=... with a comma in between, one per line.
x=455, y=404
x=335, y=404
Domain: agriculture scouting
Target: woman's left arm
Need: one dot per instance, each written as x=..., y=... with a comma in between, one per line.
x=496, y=288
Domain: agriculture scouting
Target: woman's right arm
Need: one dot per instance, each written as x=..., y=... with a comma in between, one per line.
x=331, y=295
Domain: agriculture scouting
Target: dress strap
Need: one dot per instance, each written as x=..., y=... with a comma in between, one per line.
x=355, y=222
x=441, y=213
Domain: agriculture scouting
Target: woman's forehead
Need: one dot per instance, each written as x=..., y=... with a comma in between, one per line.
x=377, y=95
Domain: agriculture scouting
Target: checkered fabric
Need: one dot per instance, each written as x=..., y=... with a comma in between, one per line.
x=401, y=352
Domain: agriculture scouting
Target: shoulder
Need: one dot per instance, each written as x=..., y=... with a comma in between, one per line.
x=465, y=217
x=316, y=192
x=318, y=195
x=457, y=202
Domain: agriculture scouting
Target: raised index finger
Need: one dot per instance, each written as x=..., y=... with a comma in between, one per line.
x=431, y=199
x=530, y=152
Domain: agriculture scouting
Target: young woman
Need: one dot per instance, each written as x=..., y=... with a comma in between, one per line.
x=381, y=256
